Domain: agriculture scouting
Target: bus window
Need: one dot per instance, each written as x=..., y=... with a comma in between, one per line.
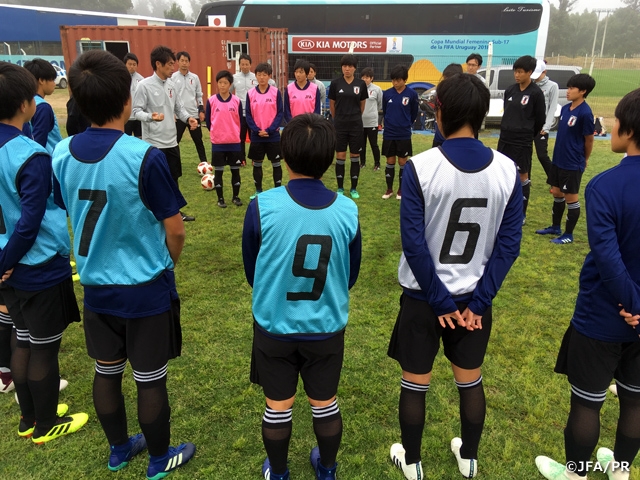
x=348, y=19
x=305, y=19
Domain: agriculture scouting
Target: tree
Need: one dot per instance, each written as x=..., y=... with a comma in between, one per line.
x=567, y=5
x=633, y=4
x=175, y=12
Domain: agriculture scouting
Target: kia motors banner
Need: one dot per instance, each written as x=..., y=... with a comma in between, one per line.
x=313, y=44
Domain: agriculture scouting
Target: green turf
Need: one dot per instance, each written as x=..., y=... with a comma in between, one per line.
x=215, y=406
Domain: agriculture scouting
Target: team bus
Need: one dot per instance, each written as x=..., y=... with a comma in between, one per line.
x=425, y=35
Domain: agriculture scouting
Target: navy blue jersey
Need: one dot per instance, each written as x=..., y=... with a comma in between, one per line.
x=400, y=111
x=116, y=202
x=573, y=126
x=34, y=239
x=43, y=127
x=610, y=276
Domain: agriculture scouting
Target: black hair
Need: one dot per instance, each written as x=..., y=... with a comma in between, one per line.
x=308, y=143
x=224, y=74
x=302, y=63
x=264, y=67
x=366, y=72
x=161, y=54
x=526, y=63
x=451, y=69
x=130, y=56
x=41, y=69
x=244, y=56
x=183, y=54
x=475, y=56
x=349, y=60
x=462, y=99
x=399, y=72
x=100, y=83
x=17, y=85
x=312, y=66
x=582, y=81
x=628, y=115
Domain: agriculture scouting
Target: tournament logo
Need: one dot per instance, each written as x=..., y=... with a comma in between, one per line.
x=405, y=100
x=525, y=100
x=572, y=120
x=356, y=90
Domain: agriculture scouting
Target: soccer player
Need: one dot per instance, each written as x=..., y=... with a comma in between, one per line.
x=133, y=126
x=550, y=91
x=523, y=118
x=370, y=119
x=34, y=261
x=190, y=91
x=124, y=209
x=264, y=115
x=43, y=126
x=321, y=87
x=222, y=116
x=154, y=104
x=460, y=222
x=602, y=340
x=301, y=313
x=449, y=71
x=573, y=147
x=400, y=109
x=301, y=96
x=347, y=96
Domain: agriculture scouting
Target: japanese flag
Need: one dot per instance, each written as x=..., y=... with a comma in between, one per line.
x=217, y=20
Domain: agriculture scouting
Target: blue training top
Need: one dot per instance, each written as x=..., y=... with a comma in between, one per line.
x=610, y=275
x=573, y=126
x=33, y=231
x=118, y=190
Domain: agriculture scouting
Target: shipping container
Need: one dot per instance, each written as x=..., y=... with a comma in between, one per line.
x=211, y=49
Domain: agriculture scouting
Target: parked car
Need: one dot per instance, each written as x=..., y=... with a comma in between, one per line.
x=61, y=78
x=502, y=76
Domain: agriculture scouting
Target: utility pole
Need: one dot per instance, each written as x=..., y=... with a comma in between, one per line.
x=604, y=34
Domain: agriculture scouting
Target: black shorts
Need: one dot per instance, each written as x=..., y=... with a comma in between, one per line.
x=415, y=340
x=349, y=138
x=257, y=151
x=397, y=148
x=519, y=154
x=275, y=365
x=44, y=314
x=568, y=181
x=173, y=159
x=148, y=342
x=591, y=364
x=220, y=159
x=133, y=127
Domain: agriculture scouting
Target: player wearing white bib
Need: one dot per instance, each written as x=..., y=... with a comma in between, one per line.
x=460, y=222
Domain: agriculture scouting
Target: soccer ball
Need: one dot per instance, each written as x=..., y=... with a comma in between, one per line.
x=207, y=181
x=204, y=168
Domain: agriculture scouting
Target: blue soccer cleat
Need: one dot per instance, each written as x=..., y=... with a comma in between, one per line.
x=161, y=466
x=121, y=455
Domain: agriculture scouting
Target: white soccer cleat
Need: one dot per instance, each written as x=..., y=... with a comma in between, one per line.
x=608, y=462
x=614, y=389
x=552, y=470
x=468, y=467
x=412, y=471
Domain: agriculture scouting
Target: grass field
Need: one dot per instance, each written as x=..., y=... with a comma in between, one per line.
x=215, y=406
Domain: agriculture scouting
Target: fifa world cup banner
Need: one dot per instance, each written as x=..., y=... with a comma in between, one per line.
x=334, y=44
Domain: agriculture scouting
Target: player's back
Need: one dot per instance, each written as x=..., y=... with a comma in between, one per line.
x=303, y=265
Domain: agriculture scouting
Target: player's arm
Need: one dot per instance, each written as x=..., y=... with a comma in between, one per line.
x=540, y=112
x=588, y=148
x=603, y=240
x=207, y=116
x=183, y=115
x=42, y=123
x=287, y=106
x=505, y=252
x=138, y=107
x=34, y=188
x=332, y=99
x=355, y=257
x=253, y=128
x=414, y=244
x=415, y=104
x=553, y=103
x=364, y=96
x=57, y=194
x=318, y=107
x=379, y=98
x=275, y=125
x=250, y=241
x=160, y=194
